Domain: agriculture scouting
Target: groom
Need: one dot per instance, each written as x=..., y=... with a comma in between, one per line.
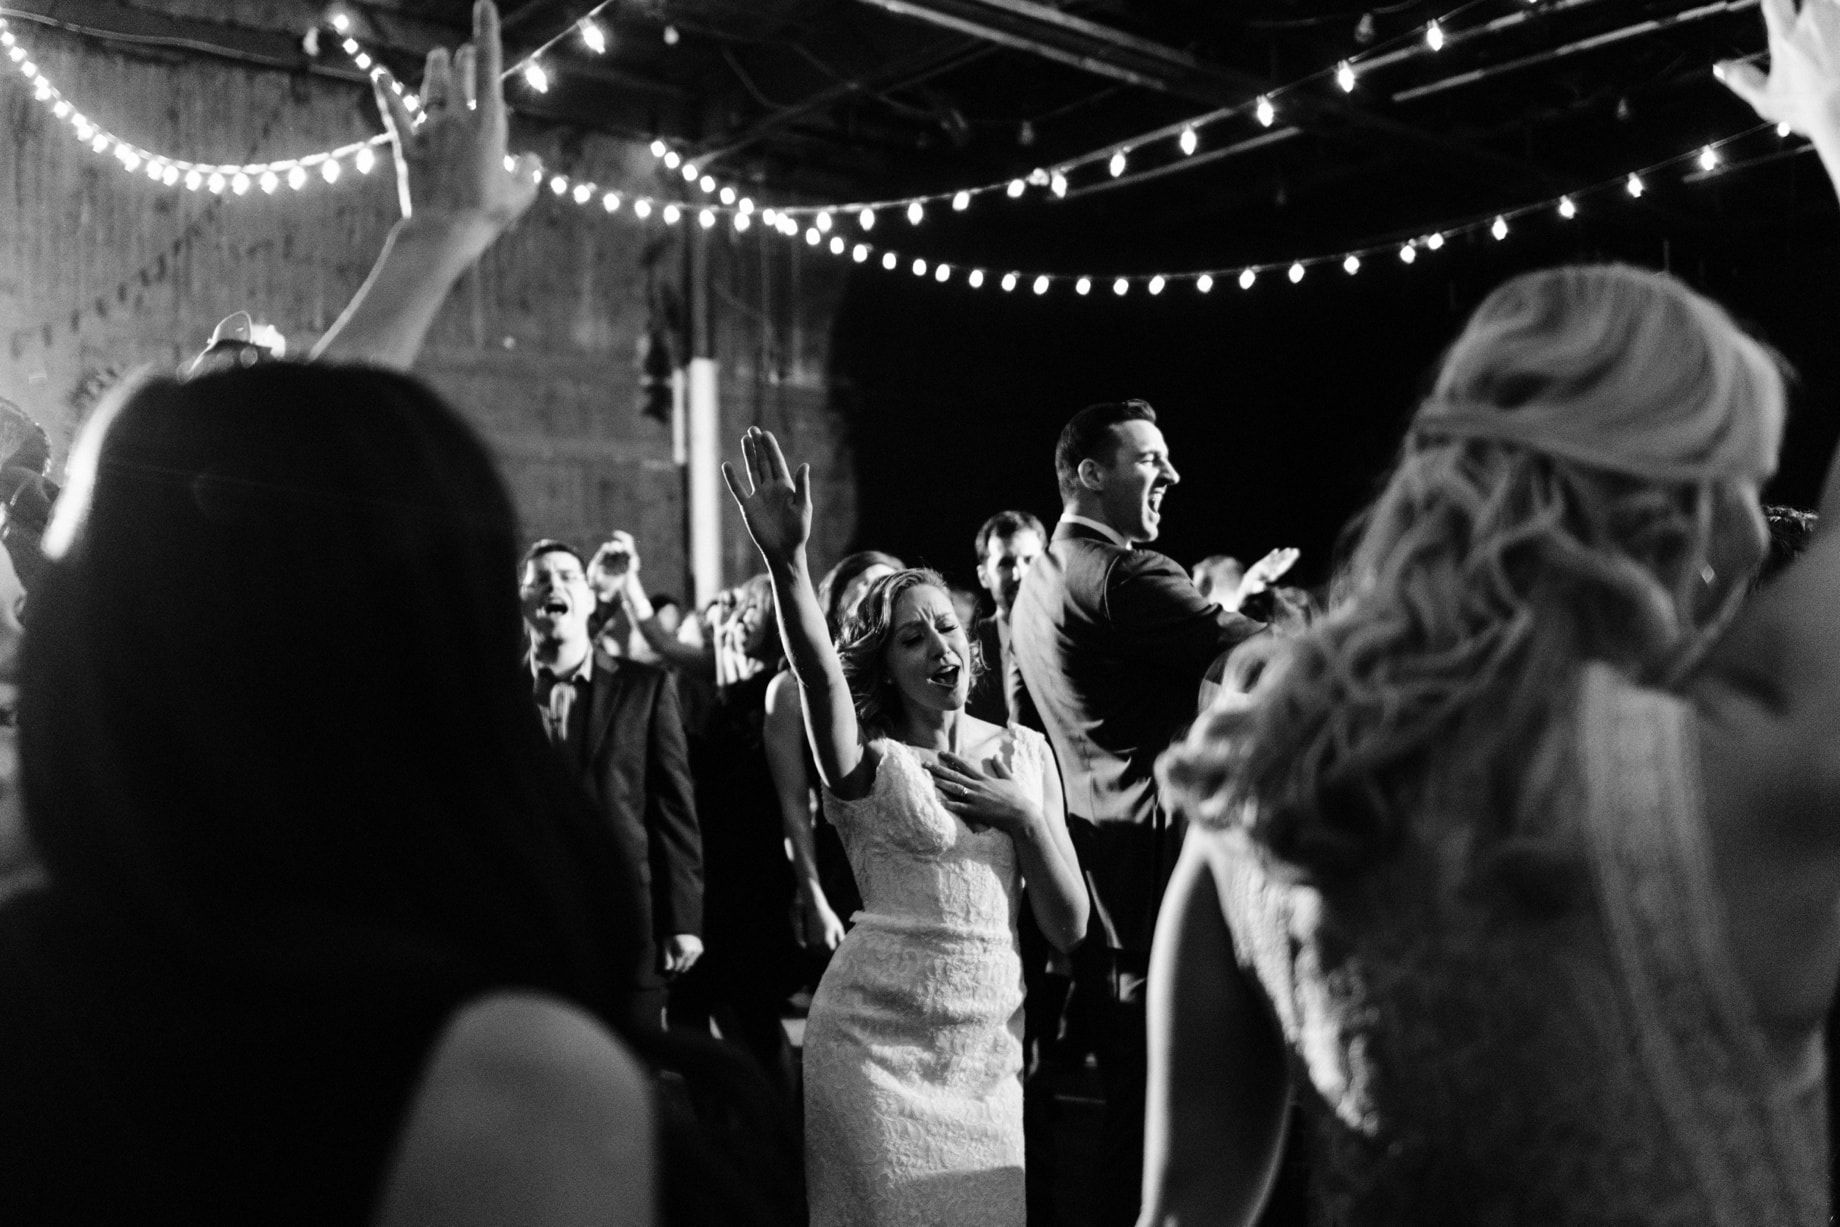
x=1112, y=642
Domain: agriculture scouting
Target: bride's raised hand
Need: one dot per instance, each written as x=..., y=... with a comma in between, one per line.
x=1803, y=85
x=776, y=505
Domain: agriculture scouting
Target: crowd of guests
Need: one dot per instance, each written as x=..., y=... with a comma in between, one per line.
x=468, y=881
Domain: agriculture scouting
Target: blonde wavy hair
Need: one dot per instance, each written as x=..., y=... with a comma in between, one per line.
x=1556, y=502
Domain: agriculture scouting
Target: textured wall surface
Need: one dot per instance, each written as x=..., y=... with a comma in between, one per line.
x=101, y=270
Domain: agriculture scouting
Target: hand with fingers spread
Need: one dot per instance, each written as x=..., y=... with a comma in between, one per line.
x=986, y=796
x=776, y=506
x=1267, y=571
x=450, y=164
x=1802, y=88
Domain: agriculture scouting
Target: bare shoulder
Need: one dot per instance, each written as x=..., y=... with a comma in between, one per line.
x=529, y=1111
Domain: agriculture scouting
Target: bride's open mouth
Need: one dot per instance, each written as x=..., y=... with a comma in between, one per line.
x=946, y=676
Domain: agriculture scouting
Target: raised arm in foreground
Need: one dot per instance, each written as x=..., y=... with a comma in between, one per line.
x=458, y=195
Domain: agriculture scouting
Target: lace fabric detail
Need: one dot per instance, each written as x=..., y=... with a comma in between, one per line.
x=913, y=1048
x=1461, y=1061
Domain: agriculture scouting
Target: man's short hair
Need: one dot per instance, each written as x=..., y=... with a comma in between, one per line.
x=1003, y=526
x=549, y=545
x=1088, y=436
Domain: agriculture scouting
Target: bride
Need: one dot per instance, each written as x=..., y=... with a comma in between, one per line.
x=913, y=1048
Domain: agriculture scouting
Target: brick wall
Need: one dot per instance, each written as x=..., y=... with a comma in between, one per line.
x=100, y=270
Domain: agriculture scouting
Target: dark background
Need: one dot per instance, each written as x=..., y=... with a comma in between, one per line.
x=1283, y=405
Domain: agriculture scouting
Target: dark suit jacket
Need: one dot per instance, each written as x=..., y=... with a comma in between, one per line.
x=1112, y=645
x=634, y=766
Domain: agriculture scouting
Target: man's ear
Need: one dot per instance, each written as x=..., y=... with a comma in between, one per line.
x=1092, y=476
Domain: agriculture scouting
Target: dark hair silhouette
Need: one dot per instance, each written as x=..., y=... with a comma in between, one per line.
x=838, y=579
x=1007, y=524
x=273, y=705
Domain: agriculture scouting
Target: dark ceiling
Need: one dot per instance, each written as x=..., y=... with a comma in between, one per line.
x=851, y=99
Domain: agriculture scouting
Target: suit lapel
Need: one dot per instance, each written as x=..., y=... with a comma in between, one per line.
x=601, y=707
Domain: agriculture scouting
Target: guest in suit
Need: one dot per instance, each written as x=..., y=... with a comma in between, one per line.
x=1008, y=544
x=617, y=726
x=1112, y=642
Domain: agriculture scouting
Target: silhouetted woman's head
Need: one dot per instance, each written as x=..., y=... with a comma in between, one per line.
x=273, y=705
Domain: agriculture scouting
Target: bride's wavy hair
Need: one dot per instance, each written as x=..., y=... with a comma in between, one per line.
x=1554, y=503
x=862, y=645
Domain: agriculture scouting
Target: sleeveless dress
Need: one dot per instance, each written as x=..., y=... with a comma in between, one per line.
x=1462, y=1062
x=913, y=1048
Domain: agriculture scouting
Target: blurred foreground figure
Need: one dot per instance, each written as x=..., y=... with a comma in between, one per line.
x=1518, y=874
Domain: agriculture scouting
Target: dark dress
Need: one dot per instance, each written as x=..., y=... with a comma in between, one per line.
x=139, y=1090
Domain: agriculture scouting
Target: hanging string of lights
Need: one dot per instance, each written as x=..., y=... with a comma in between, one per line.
x=1699, y=164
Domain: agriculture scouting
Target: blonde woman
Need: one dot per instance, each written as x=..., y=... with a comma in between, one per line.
x=1524, y=889
x=913, y=1049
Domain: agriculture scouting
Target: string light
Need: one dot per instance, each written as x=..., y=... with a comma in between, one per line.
x=916, y=213
x=1634, y=186
x=866, y=219
x=975, y=278
x=1121, y=286
x=742, y=222
x=1567, y=209
x=1709, y=159
x=1041, y=284
x=1246, y=279
x=1009, y=282
x=1435, y=241
x=1344, y=76
x=889, y=260
x=1407, y=253
x=1500, y=228
x=1351, y=265
x=919, y=267
x=961, y=202
x=1082, y=287
x=1434, y=36
x=823, y=222
x=1057, y=183
x=592, y=36
x=1266, y=112
x=943, y=273
x=859, y=253
x=536, y=77
x=1156, y=284
x=1204, y=283
x=1187, y=141
x=706, y=219
x=1015, y=189
x=1296, y=273
x=1117, y=164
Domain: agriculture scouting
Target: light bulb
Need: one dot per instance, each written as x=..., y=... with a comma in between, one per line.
x=1783, y=130
x=742, y=222
x=1567, y=209
x=1434, y=242
x=240, y=183
x=1057, y=183
x=1434, y=36
x=193, y=180
x=1041, y=284
x=1709, y=159
x=1635, y=186
x=915, y=213
x=1008, y=283
x=706, y=218
x=672, y=159
x=101, y=143
x=366, y=159
x=707, y=183
x=728, y=196
x=975, y=278
x=1407, y=254
x=536, y=77
x=1156, y=284
x=671, y=214
x=823, y=222
x=297, y=178
x=1500, y=228
x=690, y=172
x=1266, y=112
x=1120, y=286
x=942, y=274
x=1117, y=164
x=812, y=237
x=1204, y=283
x=1352, y=264
x=866, y=219
x=1015, y=189
x=582, y=192
x=889, y=260
x=1344, y=76
x=559, y=184
x=1083, y=286
x=269, y=181
x=1187, y=141
x=746, y=204
x=961, y=201
x=129, y=159
x=642, y=208
x=330, y=170
x=341, y=22
x=592, y=36
x=919, y=267
x=659, y=149
x=216, y=184
x=1246, y=278
x=836, y=244
x=1296, y=273
x=859, y=253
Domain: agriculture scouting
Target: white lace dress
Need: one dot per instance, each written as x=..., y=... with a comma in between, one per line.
x=913, y=1050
